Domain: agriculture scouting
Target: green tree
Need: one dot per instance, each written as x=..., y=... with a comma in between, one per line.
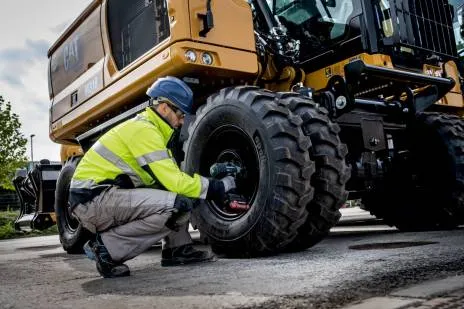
x=12, y=144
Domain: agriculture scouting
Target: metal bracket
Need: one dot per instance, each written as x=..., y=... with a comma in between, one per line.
x=373, y=134
x=423, y=100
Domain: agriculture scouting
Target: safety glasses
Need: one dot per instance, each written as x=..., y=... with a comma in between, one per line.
x=175, y=109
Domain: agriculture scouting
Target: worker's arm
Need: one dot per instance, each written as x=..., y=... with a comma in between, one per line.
x=153, y=156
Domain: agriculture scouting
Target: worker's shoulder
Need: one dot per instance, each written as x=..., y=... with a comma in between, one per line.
x=138, y=121
x=136, y=126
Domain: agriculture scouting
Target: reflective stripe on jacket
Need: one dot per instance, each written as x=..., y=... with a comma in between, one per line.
x=135, y=154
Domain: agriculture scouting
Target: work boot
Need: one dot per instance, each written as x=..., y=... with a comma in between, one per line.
x=105, y=264
x=185, y=254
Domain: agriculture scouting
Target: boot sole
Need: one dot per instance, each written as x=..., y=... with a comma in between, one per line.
x=111, y=275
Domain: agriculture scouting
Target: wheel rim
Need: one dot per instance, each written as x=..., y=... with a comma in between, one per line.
x=229, y=143
x=72, y=224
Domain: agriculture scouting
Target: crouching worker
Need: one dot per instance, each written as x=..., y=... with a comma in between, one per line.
x=113, y=189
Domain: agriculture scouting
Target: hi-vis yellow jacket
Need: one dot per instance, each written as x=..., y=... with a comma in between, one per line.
x=135, y=154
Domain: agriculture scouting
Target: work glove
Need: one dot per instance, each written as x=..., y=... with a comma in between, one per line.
x=217, y=189
x=181, y=212
x=184, y=204
x=229, y=183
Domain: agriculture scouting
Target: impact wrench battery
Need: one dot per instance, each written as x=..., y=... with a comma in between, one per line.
x=238, y=203
x=238, y=206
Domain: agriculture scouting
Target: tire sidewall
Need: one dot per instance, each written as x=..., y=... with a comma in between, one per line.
x=235, y=113
x=70, y=239
x=433, y=160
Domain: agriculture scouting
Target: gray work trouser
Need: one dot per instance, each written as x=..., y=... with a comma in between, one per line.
x=132, y=220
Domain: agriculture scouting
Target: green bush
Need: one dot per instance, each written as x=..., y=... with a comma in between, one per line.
x=7, y=230
x=7, y=216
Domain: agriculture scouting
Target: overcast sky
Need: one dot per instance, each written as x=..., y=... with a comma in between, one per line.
x=28, y=29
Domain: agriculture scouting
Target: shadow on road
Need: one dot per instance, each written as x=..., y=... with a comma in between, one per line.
x=153, y=281
x=40, y=248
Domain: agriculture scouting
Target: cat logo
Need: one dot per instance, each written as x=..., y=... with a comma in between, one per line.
x=328, y=72
x=433, y=71
x=71, y=54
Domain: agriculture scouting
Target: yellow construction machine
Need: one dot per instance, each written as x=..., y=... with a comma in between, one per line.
x=319, y=101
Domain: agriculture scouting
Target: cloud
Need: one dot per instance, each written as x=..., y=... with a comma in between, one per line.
x=25, y=40
x=37, y=49
x=58, y=29
x=32, y=50
x=11, y=78
x=17, y=60
x=12, y=72
x=23, y=81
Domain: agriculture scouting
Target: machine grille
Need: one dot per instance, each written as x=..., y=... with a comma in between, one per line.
x=426, y=25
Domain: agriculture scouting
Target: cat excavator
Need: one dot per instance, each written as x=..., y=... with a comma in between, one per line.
x=319, y=101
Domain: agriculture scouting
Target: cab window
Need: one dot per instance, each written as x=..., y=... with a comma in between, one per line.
x=135, y=27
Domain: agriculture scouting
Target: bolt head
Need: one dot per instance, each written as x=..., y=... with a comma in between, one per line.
x=341, y=102
x=374, y=141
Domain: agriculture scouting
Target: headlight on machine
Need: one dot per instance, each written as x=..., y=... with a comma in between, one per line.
x=190, y=55
x=207, y=58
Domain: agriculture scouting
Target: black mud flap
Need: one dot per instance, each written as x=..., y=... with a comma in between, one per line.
x=36, y=191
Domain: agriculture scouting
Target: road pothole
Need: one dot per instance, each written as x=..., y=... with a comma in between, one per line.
x=392, y=245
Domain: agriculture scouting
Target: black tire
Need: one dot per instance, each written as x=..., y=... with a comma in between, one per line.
x=252, y=127
x=433, y=198
x=72, y=235
x=332, y=171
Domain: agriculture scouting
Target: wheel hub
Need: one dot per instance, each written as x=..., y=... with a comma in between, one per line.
x=231, y=144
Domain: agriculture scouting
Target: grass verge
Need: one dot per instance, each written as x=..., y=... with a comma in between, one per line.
x=7, y=230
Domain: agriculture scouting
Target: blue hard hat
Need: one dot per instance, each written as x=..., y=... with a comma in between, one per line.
x=175, y=90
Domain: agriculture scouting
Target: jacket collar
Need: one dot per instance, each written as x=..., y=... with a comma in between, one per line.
x=158, y=121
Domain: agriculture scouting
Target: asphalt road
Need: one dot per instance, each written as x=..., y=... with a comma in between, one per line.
x=353, y=263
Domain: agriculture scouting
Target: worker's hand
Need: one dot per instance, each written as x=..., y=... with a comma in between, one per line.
x=177, y=220
x=217, y=189
x=181, y=212
x=229, y=183
x=183, y=204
